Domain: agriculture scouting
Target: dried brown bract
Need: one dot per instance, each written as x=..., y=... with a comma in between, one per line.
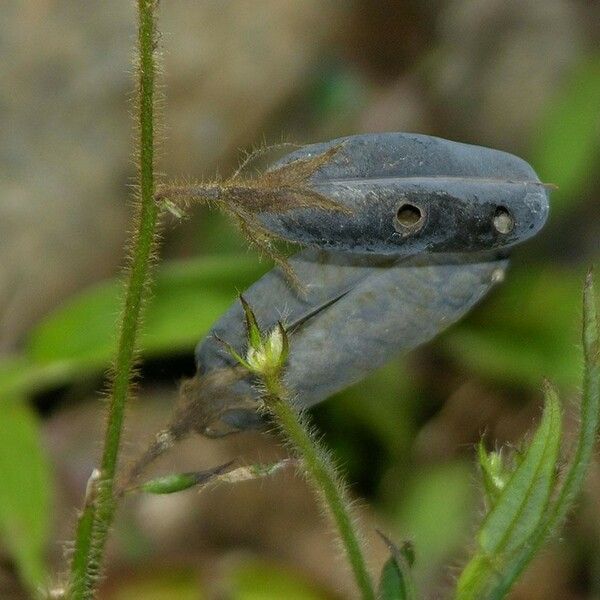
x=279, y=190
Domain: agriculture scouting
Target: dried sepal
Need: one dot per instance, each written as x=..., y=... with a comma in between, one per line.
x=252, y=329
x=255, y=471
x=256, y=153
x=278, y=190
x=233, y=352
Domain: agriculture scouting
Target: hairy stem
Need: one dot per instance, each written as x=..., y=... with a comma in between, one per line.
x=98, y=513
x=323, y=476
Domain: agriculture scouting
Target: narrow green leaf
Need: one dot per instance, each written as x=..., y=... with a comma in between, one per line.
x=233, y=352
x=396, y=581
x=78, y=339
x=578, y=464
x=590, y=408
x=285, y=345
x=25, y=491
x=392, y=585
x=523, y=501
x=519, y=509
x=254, y=334
x=187, y=298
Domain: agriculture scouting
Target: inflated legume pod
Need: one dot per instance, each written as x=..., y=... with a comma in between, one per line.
x=412, y=193
x=428, y=236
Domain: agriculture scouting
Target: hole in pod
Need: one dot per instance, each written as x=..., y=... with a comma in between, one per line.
x=409, y=218
x=503, y=220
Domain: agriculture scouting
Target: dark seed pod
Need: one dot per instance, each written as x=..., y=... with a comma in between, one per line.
x=411, y=193
x=427, y=238
x=359, y=313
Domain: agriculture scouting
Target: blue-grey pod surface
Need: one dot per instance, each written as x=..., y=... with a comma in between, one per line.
x=431, y=225
x=412, y=193
x=359, y=313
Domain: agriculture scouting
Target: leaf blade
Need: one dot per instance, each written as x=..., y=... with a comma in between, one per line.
x=588, y=432
x=520, y=508
x=24, y=491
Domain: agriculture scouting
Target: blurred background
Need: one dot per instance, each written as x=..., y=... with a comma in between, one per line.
x=517, y=75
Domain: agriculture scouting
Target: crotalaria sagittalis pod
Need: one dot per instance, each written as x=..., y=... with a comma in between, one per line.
x=428, y=232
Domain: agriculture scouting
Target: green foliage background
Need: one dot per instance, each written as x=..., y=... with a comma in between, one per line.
x=528, y=329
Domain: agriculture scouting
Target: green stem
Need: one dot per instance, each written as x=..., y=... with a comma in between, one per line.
x=323, y=475
x=83, y=538
x=98, y=514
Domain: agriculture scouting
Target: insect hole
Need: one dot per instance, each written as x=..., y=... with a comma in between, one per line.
x=409, y=218
x=503, y=220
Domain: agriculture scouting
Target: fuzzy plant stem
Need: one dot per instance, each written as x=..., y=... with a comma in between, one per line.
x=99, y=508
x=322, y=475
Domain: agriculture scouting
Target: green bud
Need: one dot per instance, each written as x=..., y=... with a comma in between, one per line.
x=177, y=482
x=266, y=354
x=271, y=354
x=494, y=471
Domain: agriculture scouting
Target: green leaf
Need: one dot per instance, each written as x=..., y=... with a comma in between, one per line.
x=520, y=509
x=574, y=473
x=396, y=582
x=78, y=338
x=392, y=583
x=523, y=501
x=25, y=491
x=233, y=352
x=285, y=343
x=567, y=146
x=590, y=409
x=252, y=329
